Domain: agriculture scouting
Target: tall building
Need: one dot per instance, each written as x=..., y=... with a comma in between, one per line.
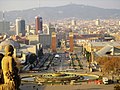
x=73, y=22
x=119, y=23
x=38, y=25
x=97, y=22
x=20, y=27
x=23, y=27
x=71, y=42
x=45, y=40
x=4, y=26
x=51, y=29
x=53, y=43
x=28, y=28
x=45, y=29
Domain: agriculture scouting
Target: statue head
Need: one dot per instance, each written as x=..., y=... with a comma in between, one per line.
x=1, y=56
x=9, y=50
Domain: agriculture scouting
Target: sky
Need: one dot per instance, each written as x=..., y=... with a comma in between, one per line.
x=10, y=5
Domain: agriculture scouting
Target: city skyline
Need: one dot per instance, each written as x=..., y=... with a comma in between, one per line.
x=10, y=5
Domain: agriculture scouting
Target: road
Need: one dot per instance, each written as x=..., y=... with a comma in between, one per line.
x=63, y=64
x=83, y=86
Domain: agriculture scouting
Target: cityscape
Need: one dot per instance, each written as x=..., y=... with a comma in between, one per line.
x=71, y=45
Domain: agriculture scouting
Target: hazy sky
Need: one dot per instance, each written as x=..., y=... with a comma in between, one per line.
x=8, y=5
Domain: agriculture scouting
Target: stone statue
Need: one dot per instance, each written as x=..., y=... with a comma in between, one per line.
x=1, y=74
x=10, y=71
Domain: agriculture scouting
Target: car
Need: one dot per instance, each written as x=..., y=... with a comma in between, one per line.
x=57, y=56
x=105, y=80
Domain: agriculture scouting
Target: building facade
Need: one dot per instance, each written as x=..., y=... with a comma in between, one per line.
x=4, y=26
x=38, y=25
x=20, y=27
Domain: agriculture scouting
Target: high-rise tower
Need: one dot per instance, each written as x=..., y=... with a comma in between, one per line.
x=4, y=25
x=38, y=24
x=20, y=27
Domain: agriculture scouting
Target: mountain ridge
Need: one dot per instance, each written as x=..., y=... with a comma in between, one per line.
x=60, y=12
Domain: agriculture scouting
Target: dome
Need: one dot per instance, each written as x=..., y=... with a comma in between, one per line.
x=10, y=42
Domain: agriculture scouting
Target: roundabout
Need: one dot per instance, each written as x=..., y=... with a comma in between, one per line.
x=59, y=78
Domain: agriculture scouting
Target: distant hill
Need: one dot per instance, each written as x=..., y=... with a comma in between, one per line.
x=60, y=12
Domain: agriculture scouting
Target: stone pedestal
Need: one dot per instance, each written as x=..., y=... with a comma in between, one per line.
x=7, y=87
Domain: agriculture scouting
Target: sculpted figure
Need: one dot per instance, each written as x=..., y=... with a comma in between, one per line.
x=1, y=75
x=10, y=71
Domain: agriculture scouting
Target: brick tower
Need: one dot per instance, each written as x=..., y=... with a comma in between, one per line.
x=53, y=43
x=71, y=41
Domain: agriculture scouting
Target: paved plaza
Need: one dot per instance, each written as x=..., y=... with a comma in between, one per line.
x=67, y=87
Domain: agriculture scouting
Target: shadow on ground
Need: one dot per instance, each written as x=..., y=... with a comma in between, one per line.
x=31, y=87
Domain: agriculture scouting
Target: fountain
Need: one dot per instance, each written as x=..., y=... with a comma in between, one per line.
x=60, y=78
